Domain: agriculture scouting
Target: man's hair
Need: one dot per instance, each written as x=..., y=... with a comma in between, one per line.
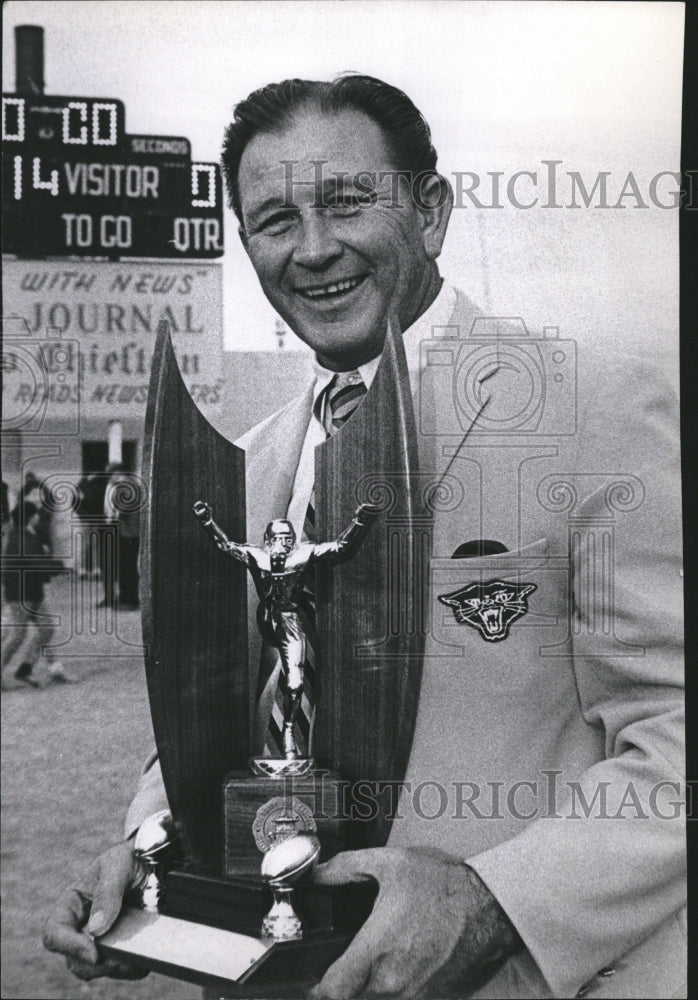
x=271, y=108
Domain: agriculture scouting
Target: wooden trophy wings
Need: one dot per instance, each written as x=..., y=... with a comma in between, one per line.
x=370, y=610
x=194, y=600
x=194, y=608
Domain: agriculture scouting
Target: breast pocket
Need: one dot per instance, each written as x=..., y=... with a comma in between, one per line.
x=498, y=601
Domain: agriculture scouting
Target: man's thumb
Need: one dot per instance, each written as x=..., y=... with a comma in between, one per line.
x=116, y=872
x=349, y=866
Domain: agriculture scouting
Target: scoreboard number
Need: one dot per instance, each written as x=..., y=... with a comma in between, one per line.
x=131, y=179
x=97, y=119
x=13, y=119
x=50, y=185
x=79, y=127
x=210, y=171
x=75, y=183
x=81, y=138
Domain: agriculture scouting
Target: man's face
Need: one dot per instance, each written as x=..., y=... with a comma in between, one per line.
x=330, y=259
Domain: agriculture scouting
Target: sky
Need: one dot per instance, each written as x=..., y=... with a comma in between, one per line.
x=504, y=86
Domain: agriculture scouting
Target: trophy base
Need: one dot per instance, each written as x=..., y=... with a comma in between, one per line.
x=281, y=767
x=255, y=807
x=209, y=931
x=241, y=904
x=227, y=963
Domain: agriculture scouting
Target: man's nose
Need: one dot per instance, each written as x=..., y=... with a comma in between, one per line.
x=317, y=244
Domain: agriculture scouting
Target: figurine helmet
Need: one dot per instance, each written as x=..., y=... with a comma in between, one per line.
x=282, y=530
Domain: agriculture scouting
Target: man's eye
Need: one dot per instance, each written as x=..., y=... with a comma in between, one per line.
x=277, y=223
x=346, y=204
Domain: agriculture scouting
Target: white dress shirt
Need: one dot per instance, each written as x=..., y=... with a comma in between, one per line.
x=438, y=314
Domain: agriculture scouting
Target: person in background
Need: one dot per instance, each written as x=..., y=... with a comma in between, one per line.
x=28, y=629
x=32, y=491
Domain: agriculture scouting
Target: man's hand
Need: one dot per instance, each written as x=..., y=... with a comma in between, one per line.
x=84, y=913
x=434, y=930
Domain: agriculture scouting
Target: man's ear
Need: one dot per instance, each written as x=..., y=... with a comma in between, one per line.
x=243, y=237
x=433, y=197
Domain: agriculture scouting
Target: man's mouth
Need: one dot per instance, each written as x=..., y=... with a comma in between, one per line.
x=334, y=290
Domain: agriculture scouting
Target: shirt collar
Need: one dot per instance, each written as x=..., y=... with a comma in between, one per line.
x=438, y=314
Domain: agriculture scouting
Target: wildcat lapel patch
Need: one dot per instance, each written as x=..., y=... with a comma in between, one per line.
x=489, y=607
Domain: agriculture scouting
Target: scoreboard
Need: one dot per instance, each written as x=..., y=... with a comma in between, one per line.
x=74, y=183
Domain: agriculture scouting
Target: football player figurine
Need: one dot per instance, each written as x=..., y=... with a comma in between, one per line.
x=280, y=570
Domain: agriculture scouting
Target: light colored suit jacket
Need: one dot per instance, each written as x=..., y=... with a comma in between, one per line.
x=549, y=758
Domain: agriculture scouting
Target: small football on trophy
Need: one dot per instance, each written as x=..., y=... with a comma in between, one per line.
x=155, y=834
x=288, y=861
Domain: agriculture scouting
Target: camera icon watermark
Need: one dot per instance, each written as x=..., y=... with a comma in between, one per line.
x=40, y=381
x=539, y=397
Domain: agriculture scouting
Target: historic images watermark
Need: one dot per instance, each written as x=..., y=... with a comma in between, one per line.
x=41, y=389
x=549, y=185
x=546, y=796
x=522, y=432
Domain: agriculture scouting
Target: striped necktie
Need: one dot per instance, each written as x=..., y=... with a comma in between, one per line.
x=333, y=407
x=343, y=395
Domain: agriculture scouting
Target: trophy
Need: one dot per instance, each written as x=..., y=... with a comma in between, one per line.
x=252, y=822
x=281, y=570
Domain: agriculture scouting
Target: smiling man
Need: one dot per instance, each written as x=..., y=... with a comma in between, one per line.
x=567, y=711
x=331, y=255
